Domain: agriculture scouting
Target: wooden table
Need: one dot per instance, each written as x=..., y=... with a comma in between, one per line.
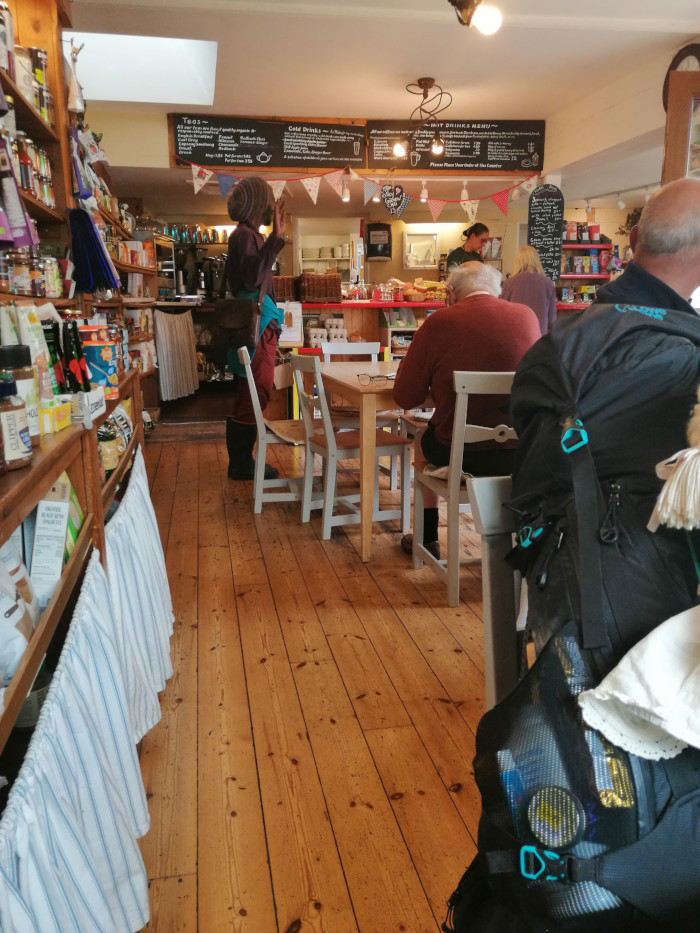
x=341, y=379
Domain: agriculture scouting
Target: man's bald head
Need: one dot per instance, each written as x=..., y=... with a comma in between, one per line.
x=670, y=222
x=668, y=245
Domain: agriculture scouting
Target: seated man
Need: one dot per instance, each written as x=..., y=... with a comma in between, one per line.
x=477, y=332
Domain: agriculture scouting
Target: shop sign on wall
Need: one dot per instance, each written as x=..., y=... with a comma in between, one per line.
x=499, y=145
x=239, y=141
x=545, y=216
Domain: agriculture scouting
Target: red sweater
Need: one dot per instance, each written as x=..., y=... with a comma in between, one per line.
x=478, y=334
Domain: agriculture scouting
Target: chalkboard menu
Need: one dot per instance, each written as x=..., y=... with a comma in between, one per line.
x=224, y=141
x=544, y=227
x=501, y=145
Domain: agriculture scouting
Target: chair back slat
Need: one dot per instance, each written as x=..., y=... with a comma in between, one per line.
x=244, y=359
x=311, y=401
x=350, y=349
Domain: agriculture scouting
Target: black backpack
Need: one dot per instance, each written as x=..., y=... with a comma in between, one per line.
x=576, y=835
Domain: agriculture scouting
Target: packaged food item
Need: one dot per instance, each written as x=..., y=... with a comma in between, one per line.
x=578, y=265
x=594, y=232
x=586, y=264
x=8, y=325
x=110, y=448
x=52, y=335
x=16, y=627
x=101, y=359
x=594, y=262
x=31, y=334
x=14, y=565
x=14, y=428
x=572, y=231
x=55, y=414
x=16, y=364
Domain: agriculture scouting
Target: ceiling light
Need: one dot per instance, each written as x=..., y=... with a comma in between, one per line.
x=487, y=19
x=376, y=198
x=464, y=196
x=424, y=192
x=346, y=191
x=400, y=148
x=620, y=203
x=437, y=146
x=588, y=205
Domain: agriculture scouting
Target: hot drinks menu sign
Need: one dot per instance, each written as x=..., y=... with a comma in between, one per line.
x=497, y=145
x=240, y=141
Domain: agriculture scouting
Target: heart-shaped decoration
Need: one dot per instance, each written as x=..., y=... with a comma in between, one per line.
x=394, y=198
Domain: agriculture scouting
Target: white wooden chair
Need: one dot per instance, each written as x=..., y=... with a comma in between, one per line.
x=334, y=446
x=453, y=489
x=283, y=489
x=348, y=418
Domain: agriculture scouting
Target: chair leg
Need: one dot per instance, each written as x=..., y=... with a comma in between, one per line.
x=393, y=476
x=417, y=524
x=453, y=561
x=307, y=490
x=375, y=494
x=405, y=489
x=329, y=491
x=259, y=474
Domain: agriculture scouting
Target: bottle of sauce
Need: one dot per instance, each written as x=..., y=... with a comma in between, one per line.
x=14, y=427
x=16, y=366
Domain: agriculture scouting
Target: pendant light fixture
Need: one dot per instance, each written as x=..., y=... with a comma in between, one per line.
x=487, y=19
x=424, y=192
x=346, y=191
x=433, y=101
x=620, y=203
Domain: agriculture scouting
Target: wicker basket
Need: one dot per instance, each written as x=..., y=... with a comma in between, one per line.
x=311, y=287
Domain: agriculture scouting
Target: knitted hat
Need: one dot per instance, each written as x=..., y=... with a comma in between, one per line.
x=248, y=197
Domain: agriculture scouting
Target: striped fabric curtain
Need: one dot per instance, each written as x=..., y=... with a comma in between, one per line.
x=177, y=354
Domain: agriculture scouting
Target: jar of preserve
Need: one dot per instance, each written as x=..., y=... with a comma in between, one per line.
x=52, y=278
x=4, y=274
x=16, y=366
x=14, y=428
x=18, y=272
x=37, y=282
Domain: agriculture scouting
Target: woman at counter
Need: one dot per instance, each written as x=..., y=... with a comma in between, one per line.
x=528, y=285
x=249, y=273
x=474, y=239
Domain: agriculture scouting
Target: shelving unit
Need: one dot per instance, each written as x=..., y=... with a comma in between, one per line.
x=579, y=278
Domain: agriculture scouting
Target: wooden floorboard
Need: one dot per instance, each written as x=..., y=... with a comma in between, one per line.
x=312, y=772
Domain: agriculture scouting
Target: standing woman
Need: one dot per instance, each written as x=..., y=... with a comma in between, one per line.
x=474, y=239
x=528, y=285
x=250, y=260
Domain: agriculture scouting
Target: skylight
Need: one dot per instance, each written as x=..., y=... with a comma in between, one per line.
x=145, y=69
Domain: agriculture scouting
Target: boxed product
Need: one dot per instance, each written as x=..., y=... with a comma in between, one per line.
x=101, y=359
x=595, y=268
x=578, y=265
x=594, y=232
x=572, y=231
x=586, y=264
x=55, y=414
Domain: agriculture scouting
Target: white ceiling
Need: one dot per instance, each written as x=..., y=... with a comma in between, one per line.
x=353, y=58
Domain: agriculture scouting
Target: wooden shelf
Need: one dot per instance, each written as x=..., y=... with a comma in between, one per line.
x=114, y=221
x=149, y=372
x=39, y=211
x=20, y=490
x=20, y=685
x=137, y=302
x=132, y=267
x=30, y=299
x=117, y=475
x=566, y=245
x=141, y=338
x=28, y=119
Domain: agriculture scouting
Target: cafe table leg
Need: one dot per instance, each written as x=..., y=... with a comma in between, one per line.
x=368, y=440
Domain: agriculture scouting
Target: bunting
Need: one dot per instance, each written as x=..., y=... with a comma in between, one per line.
x=200, y=176
x=435, y=207
x=226, y=182
x=404, y=204
x=371, y=188
x=277, y=185
x=529, y=185
x=500, y=199
x=470, y=208
x=335, y=180
x=311, y=186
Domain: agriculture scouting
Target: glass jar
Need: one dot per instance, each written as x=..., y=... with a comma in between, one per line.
x=52, y=278
x=37, y=282
x=18, y=272
x=16, y=366
x=14, y=427
x=4, y=274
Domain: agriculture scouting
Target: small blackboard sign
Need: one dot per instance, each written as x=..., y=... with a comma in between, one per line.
x=498, y=145
x=544, y=227
x=240, y=141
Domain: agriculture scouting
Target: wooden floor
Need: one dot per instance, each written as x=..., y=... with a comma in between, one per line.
x=312, y=769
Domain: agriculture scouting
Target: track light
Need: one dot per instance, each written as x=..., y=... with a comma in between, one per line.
x=620, y=203
x=346, y=191
x=464, y=196
x=424, y=192
x=487, y=19
x=437, y=146
x=588, y=205
x=376, y=198
x=400, y=148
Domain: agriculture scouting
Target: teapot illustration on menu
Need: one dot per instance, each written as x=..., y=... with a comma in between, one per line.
x=263, y=157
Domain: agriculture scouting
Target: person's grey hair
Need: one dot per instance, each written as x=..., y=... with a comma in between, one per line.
x=466, y=279
x=665, y=233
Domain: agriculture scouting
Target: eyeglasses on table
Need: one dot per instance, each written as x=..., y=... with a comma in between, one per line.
x=380, y=380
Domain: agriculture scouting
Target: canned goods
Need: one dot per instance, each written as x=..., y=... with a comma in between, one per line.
x=39, y=65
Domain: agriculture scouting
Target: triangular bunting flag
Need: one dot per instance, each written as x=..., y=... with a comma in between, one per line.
x=530, y=184
x=311, y=186
x=335, y=180
x=371, y=188
x=500, y=199
x=226, y=182
x=404, y=204
x=200, y=176
x=470, y=208
x=277, y=185
x=353, y=175
x=436, y=208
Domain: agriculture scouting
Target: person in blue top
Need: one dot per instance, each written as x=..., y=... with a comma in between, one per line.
x=250, y=259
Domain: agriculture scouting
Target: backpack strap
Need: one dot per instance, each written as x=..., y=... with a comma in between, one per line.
x=534, y=863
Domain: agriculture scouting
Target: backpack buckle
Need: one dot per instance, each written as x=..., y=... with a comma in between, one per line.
x=528, y=534
x=574, y=436
x=536, y=862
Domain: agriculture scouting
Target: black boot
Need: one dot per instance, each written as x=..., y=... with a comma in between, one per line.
x=240, y=440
